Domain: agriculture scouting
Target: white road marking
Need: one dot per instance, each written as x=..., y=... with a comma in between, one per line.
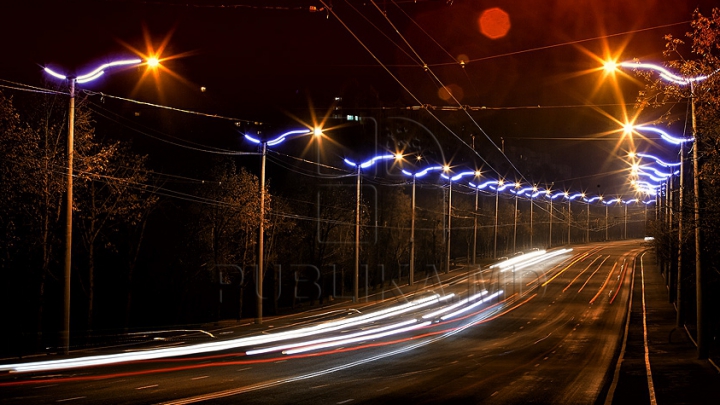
x=651, y=386
x=69, y=399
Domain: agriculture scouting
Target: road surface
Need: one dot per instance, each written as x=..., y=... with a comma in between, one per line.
x=545, y=330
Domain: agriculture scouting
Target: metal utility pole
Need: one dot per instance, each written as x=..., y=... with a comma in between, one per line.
x=65, y=334
x=261, y=238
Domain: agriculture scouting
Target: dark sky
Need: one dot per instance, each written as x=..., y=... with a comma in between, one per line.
x=262, y=59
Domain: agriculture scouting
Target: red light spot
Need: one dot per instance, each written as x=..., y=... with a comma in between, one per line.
x=451, y=91
x=494, y=23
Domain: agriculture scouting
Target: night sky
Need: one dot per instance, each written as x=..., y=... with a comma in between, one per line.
x=264, y=60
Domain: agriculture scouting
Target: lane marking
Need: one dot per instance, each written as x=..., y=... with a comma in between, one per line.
x=606, y=281
x=651, y=387
x=621, y=357
x=69, y=399
x=147, y=386
x=593, y=273
x=584, y=270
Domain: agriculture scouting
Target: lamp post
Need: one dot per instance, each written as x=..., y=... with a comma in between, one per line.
x=261, y=228
x=517, y=186
x=587, y=228
x=497, y=199
x=625, y=220
x=446, y=169
x=570, y=198
x=359, y=167
x=532, y=196
x=411, y=278
x=79, y=79
x=590, y=201
x=549, y=195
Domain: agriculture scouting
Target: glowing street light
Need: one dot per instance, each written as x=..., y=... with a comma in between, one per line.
x=570, y=198
x=446, y=175
x=359, y=167
x=414, y=176
x=516, y=192
x=533, y=194
x=261, y=229
x=73, y=79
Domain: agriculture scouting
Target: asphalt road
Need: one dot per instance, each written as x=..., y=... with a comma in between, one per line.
x=545, y=333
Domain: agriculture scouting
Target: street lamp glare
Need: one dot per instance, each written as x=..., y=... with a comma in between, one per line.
x=398, y=156
x=610, y=66
x=628, y=129
x=153, y=62
x=317, y=131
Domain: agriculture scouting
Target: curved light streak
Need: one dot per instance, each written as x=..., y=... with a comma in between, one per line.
x=658, y=160
x=651, y=176
x=282, y=137
x=368, y=163
x=664, y=135
x=95, y=73
x=484, y=185
x=422, y=172
x=666, y=74
x=463, y=174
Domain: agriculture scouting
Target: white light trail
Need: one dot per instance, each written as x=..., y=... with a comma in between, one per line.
x=330, y=339
x=356, y=339
x=455, y=305
x=469, y=307
x=222, y=345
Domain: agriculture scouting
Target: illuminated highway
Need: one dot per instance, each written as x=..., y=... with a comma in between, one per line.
x=543, y=328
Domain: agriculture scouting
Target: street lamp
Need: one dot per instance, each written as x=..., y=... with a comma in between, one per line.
x=516, y=191
x=446, y=169
x=570, y=198
x=590, y=201
x=359, y=167
x=414, y=176
x=626, y=203
x=261, y=228
x=499, y=185
x=607, y=223
x=535, y=193
x=79, y=79
x=669, y=76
